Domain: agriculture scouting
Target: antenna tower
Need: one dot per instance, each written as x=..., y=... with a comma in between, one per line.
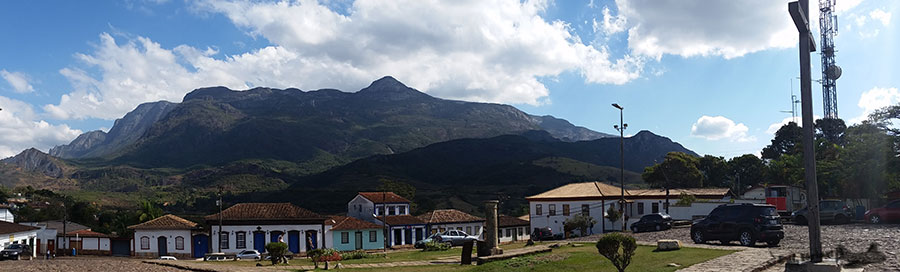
x=830, y=71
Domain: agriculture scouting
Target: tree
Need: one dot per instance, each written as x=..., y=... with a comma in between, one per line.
x=278, y=250
x=866, y=158
x=149, y=211
x=398, y=187
x=580, y=222
x=679, y=168
x=786, y=142
x=613, y=214
x=831, y=130
x=609, y=246
x=716, y=172
x=748, y=170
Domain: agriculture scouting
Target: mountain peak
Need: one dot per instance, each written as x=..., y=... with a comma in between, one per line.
x=390, y=89
x=34, y=160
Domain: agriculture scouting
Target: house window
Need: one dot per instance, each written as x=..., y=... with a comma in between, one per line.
x=585, y=210
x=345, y=237
x=552, y=210
x=179, y=243
x=402, y=210
x=538, y=209
x=508, y=232
x=223, y=240
x=373, y=236
x=458, y=228
x=477, y=230
x=469, y=230
x=379, y=210
x=240, y=239
x=641, y=207
x=145, y=243
x=655, y=207
x=359, y=208
x=521, y=232
x=391, y=211
x=500, y=233
x=566, y=209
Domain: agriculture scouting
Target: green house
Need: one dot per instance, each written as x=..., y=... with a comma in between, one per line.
x=355, y=234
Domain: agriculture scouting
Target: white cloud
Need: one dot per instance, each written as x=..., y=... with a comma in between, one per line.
x=719, y=127
x=881, y=16
x=612, y=24
x=20, y=129
x=18, y=81
x=706, y=28
x=874, y=99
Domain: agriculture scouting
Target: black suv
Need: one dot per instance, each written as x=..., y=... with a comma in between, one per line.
x=653, y=221
x=15, y=252
x=746, y=223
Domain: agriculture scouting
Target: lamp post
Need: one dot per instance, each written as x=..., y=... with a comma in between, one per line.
x=799, y=11
x=621, y=128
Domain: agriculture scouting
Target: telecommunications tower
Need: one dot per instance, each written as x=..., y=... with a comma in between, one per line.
x=830, y=71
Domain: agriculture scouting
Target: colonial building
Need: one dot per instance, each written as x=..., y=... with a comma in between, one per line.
x=48, y=237
x=441, y=220
x=368, y=205
x=511, y=229
x=355, y=234
x=169, y=235
x=12, y=233
x=252, y=225
x=87, y=242
x=403, y=229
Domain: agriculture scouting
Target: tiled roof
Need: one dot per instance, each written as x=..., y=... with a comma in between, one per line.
x=350, y=223
x=448, y=216
x=526, y=217
x=584, y=190
x=7, y=227
x=379, y=197
x=85, y=233
x=58, y=225
x=166, y=222
x=509, y=221
x=698, y=192
x=397, y=220
x=265, y=211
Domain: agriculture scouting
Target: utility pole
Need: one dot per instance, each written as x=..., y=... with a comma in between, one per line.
x=621, y=128
x=799, y=11
x=219, y=203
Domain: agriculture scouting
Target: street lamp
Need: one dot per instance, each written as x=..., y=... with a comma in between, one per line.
x=621, y=128
x=799, y=11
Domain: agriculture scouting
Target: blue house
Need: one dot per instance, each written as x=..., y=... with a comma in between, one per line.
x=354, y=234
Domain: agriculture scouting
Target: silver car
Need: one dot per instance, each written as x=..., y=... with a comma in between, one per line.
x=832, y=211
x=248, y=255
x=453, y=237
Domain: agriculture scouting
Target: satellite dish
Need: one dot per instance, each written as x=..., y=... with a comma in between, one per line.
x=833, y=72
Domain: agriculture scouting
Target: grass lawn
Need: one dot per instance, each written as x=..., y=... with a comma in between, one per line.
x=584, y=258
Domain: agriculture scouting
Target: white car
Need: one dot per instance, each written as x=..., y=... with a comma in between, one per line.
x=168, y=258
x=248, y=255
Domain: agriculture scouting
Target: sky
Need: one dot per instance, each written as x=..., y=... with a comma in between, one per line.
x=715, y=76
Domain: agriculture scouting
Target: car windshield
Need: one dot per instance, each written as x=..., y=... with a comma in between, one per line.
x=14, y=246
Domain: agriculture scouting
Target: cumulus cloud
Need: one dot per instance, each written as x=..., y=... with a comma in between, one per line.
x=705, y=28
x=719, y=127
x=881, y=16
x=20, y=129
x=17, y=80
x=611, y=24
x=874, y=99
x=879, y=19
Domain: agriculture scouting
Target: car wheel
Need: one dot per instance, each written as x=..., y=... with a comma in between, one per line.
x=634, y=229
x=875, y=219
x=698, y=238
x=773, y=243
x=237, y=258
x=841, y=219
x=800, y=220
x=448, y=243
x=658, y=228
x=747, y=238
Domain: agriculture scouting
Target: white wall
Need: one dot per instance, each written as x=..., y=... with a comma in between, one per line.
x=476, y=229
x=249, y=229
x=170, y=240
x=6, y=215
x=755, y=193
x=522, y=235
x=367, y=207
x=555, y=222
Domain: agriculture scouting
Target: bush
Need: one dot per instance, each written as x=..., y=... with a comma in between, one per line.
x=609, y=246
x=579, y=222
x=323, y=255
x=436, y=246
x=278, y=251
x=613, y=214
x=356, y=254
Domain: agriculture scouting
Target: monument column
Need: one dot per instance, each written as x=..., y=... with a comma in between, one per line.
x=490, y=235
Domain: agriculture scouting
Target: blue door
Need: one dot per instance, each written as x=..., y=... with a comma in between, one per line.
x=162, y=246
x=311, y=240
x=201, y=245
x=259, y=241
x=275, y=235
x=294, y=241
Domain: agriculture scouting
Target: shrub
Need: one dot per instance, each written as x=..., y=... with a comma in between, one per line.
x=579, y=222
x=613, y=214
x=278, y=251
x=323, y=255
x=356, y=254
x=609, y=246
x=685, y=199
x=436, y=246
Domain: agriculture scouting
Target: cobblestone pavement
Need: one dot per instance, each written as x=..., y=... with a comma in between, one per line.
x=99, y=264
x=855, y=237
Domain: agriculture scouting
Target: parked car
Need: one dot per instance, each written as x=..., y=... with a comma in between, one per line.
x=833, y=211
x=451, y=237
x=15, y=252
x=543, y=234
x=886, y=213
x=248, y=255
x=653, y=221
x=217, y=257
x=168, y=258
x=746, y=223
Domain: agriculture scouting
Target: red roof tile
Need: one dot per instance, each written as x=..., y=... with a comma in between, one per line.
x=166, y=222
x=397, y=220
x=379, y=197
x=509, y=221
x=265, y=211
x=7, y=227
x=85, y=233
x=350, y=223
x=448, y=216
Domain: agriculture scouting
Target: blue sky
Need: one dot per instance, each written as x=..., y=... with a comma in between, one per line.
x=712, y=75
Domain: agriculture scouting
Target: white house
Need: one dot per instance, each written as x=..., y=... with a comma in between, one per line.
x=511, y=229
x=252, y=225
x=441, y=220
x=18, y=234
x=6, y=215
x=87, y=242
x=48, y=236
x=168, y=235
x=368, y=205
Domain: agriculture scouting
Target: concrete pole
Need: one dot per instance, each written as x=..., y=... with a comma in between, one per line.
x=490, y=234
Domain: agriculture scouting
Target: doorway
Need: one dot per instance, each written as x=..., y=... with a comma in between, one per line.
x=312, y=238
x=359, y=240
x=294, y=241
x=161, y=246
